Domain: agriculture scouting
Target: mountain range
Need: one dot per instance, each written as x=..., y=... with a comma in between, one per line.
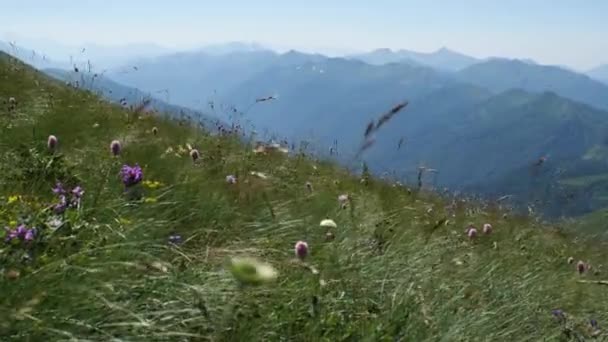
x=599, y=73
x=493, y=126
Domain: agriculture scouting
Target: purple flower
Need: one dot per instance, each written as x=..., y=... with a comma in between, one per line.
x=58, y=189
x=301, y=250
x=52, y=142
x=559, y=314
x=115, y=147
x=581, y=267
x=194, y=154
x=29, y=235
x=131, y=175
x=21, y=233
x=78, y=192
x=594, y=324
x=472, y=233
x=60, y=207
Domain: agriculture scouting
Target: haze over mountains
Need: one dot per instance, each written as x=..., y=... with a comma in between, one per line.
x=482, y=124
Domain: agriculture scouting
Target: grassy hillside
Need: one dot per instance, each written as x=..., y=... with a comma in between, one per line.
x=151, y=263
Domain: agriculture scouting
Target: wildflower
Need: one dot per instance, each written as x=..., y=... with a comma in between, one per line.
x=150, y=200
x=175, y=238
x=131, y=175
x=559, y=314
x=115, y=147
x=487, y=228
x=230, y=179
x=21, y=233
x=154, y=130
x=594, y=324
x=60, y=207
x=12, y=199
x=328, y=223
x=194, y=154
x=581, y=267
x=152, y=184
x=309, y=186
x=343, y=199
x=58, y=189
x=249, y=271
x=51, y=143
x=78, y=192
x=570, y=260
x=29, y=234
x=472, y=233
x=301, y=250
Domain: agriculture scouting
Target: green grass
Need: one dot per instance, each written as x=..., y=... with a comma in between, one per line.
x=391, y=273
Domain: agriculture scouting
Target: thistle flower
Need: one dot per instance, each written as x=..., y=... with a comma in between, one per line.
x=131, y=175
x=249, y=271
x=115, y=147
x=328, y=223
x=51, y=143
x=230, y=179
x=301, y=250
x=581, y=267
x=472, y=233
x=487, y=228
x=194, y=154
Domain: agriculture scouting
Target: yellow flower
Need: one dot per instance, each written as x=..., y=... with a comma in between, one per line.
x=152, y=184
x=13, y=199
x=150, y=200
x=12, y=223
x=124, y=221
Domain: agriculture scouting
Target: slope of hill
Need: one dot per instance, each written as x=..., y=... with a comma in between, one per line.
x=149, y=261
x=442, y=59
x=599, y=73
x=501, y=74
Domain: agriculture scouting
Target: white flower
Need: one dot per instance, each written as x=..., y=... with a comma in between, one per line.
x=251, y=271
x=328, y=223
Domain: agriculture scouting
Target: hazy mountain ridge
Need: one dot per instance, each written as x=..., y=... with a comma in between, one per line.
x=500, y=75
x=443, y=58
x=126, y=96
x=599, y=73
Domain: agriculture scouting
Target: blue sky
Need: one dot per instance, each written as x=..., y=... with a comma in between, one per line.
x=572, y=33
